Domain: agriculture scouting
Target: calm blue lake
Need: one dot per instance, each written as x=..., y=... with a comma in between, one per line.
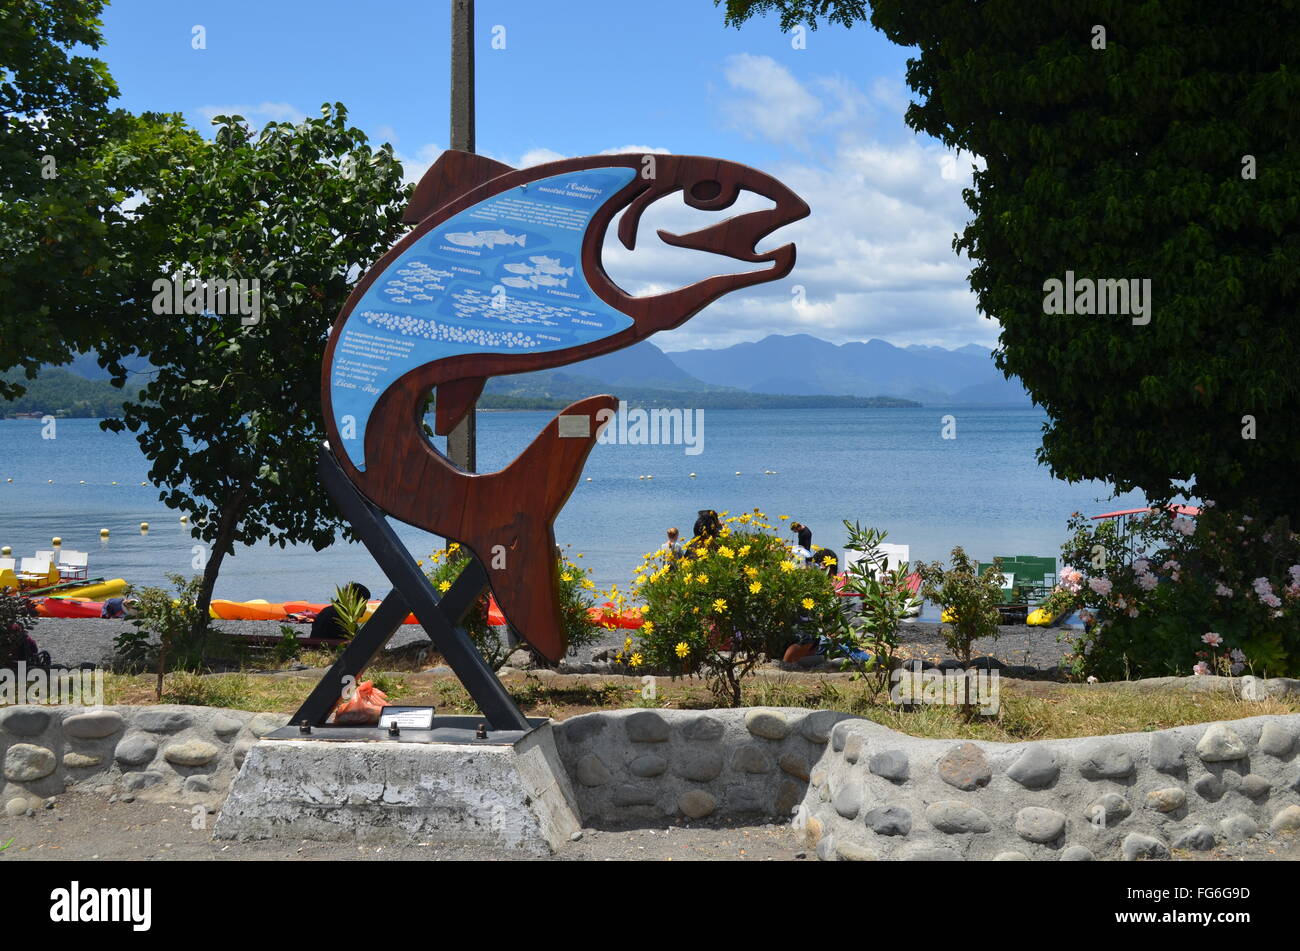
x=885, y=467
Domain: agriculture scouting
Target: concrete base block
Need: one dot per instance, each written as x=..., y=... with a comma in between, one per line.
x=515, y=797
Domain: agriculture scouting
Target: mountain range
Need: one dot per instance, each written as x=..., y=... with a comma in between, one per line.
x=794, y=365
x=773, y=371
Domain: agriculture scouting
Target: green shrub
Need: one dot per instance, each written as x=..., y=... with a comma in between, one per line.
x=969, y=598
x=728, y=604
x=17, y=615
x=575, y=604
x=1173, y=595
x=183, y=632
x=886, y=601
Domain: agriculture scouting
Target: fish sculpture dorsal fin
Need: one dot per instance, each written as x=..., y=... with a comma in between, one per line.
x=454, y=174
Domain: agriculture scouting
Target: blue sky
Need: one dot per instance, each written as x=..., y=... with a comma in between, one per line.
x=579, y=77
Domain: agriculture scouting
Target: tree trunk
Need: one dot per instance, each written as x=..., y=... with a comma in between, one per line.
x=223, y=544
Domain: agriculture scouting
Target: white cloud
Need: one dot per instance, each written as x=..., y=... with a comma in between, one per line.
x=773, y=105
x=258, y=115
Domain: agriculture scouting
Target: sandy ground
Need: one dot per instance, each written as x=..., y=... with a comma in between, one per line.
x=85, y=826
x=73, y=642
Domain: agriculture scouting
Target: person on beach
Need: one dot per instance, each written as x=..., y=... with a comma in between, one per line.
x=118, y=608
x=804, y=534
x=708, y=526
x=327, y=624
x=672, y=548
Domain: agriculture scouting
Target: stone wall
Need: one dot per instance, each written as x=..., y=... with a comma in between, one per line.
x=190, y=754
x=877, y=794
x=647, y=767
x=855, y=789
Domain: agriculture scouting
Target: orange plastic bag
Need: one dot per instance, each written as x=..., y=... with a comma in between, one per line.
x=363, y=707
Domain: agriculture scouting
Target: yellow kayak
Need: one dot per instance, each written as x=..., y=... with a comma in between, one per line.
x=1040, y=618
x=95, y=592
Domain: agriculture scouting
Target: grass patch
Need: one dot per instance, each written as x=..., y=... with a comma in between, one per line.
x=1028, y=712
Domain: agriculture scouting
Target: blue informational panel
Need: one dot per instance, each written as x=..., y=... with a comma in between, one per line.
x=504, y=276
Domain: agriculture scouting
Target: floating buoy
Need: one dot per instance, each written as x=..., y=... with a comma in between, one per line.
x=56, y=541
x=49, y=482
x=6, y=551
x=588, y=478
x=642, y=478
x=144, y=526
x=649, y=477
x=184, y=519
x=9, y=480
x=692, y=475
x=103, y=533
x=737, y=473
x=112, y=483
x=144, y=483
x=83, y=482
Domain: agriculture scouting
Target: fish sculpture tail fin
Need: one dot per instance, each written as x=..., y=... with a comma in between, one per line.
x=520, y=554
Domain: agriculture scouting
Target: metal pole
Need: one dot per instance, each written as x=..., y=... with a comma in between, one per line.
x=462, y=441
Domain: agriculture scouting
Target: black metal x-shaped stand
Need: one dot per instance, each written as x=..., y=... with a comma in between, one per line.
x=412, y=591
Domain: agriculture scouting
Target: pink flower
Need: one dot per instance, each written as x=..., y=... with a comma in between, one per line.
x=1223, y=590
x=1201, y=669
x=1100, y=585
x=1148, y=581
x=1184, y=525
x=1214, y=640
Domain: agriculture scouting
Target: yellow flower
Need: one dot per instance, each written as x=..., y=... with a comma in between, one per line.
x=444, y=586
x=687, y=578
x=702, y=579
x=648, y=627
x=828, y=561
x=589, y=585
x=783, y=517
x=720, y=605
x=681, y=649
x=744, y=551
x=756, y=587
x=808, y=604
x=454, y=546
x=636, y=660
x=627, y=643
x=750, y=570
x=788, y=566
x=566, y=577
x=700, y=552
x=726, y=552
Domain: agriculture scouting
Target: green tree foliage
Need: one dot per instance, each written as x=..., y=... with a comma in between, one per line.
x=231, y=419
x=69, y=168
x=1169, y=155
x=794, y=13
x=970, y=599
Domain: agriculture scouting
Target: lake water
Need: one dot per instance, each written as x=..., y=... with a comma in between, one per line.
x=885, y=467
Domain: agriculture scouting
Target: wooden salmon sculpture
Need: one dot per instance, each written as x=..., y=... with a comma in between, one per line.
x=502, y=274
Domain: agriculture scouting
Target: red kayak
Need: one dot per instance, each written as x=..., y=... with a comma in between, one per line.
x=69, y=607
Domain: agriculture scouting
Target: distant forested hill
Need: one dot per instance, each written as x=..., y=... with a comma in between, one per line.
x=59, y=392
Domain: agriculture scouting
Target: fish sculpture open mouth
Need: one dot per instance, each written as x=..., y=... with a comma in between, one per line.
x=502, y=274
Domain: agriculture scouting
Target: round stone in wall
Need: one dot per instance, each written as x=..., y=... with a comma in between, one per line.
x=965, y=767
x=703, y=727
x=1105, y=760
x=1037, y=824
x=769, y=724
x=93, y=726
x=25, y=721
x=592, y=771
x=1139, y=846
x=136, y=750
x=696, y=803
x=1167, y=799
x=1275, y=739
x=891, y=764
x=190, y=753
x=1238, y=827
x=956, y=817
x=25, y=763
x=1288, y=820
x=1254, y=786
x=646, y=726
x=1035, y=768
x=1220, y=744
x=702, y=765
x=1199, y=838
x=647, y=765
x=1077, y=853
x=889, y=820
